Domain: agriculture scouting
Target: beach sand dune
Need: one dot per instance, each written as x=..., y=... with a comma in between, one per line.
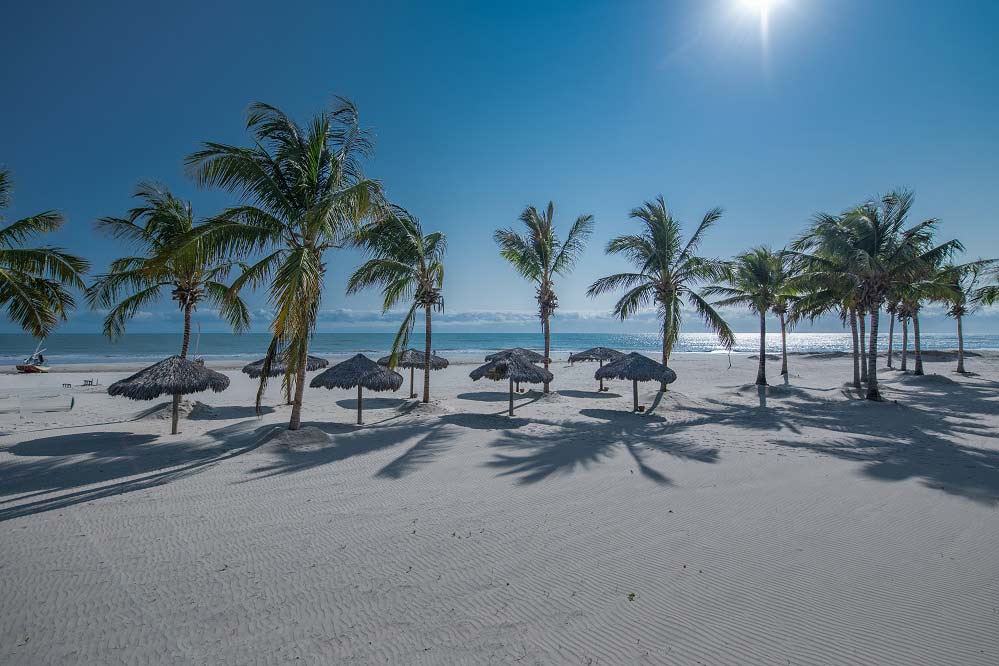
x=728, y=525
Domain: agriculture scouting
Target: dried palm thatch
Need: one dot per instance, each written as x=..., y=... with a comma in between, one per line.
x=413, y=359
x=361, y=372
x=279, y=367
x=531, y=356
x=597, y=354
x=174, y=376
x=513, y=367
x=636, y=368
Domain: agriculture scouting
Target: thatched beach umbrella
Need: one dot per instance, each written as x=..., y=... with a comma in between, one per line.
x=279, y=367
x=513, y=367
x=531, y=356
x=597, y=354
x=637, y=368
x=359, y=371
x=412, y=359
x=174, y=376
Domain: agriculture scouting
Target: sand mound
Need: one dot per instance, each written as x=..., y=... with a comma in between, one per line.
x=432, y=408
x=188, y=409
x=309, y=438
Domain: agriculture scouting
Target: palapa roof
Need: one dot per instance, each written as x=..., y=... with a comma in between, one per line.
x=412, y=358
x=358, y=371
x=169, y=377
x=512, y=366
x=279, y=367
x=596, y=354
x=531, y=356
x=636, y=366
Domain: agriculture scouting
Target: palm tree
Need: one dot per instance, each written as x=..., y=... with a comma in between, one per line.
x=883, y=256
x=408, y=265
x=786, y=295
x=306, y=194
x=540, y=255
x=35, y=281
x=755, y=279
x=668, y=269
x=156, y=228
x=962, y=291
x=891, y=308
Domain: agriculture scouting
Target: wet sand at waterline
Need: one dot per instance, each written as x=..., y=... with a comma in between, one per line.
x=726, y=526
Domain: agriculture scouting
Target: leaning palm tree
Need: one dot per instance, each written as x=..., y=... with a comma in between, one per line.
x=668, y=270
x=755, y=279
x=305, y=194
x=540, y=255
x=407, y=265
x=35, y=281
x=155, y=228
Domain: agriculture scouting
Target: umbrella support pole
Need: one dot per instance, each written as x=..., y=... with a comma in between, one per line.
x=412, y=391
x=601, y=379
x=175, y=414
x=360, y=421
x=511, y=396
x=634, y=384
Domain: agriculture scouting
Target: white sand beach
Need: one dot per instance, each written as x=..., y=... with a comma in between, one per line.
x=816, y=529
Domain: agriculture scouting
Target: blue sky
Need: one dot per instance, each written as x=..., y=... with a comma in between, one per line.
x=481, y=109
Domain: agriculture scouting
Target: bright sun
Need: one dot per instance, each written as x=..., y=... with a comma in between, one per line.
x=761, y=6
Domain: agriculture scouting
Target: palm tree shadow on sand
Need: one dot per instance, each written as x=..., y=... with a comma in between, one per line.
x=568, y=446
x=911, y=435
x=62, y=468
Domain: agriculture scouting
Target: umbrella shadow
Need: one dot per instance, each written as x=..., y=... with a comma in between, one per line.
x=589, y=395
x=228, y=412
x=578, y=445
x=61, y=469
x=373, y=403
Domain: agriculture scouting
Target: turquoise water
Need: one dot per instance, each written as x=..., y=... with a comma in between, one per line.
x=88, y=348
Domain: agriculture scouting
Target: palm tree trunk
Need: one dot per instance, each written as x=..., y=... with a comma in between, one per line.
x=856, y=348
x=960, y=346
x=426, y=359
x=175, y=413
x=412, y=380
x=783, y=345
x=666, y=349
x=915, y=339
x=761, y=374
x=905, y=344
x=861, y=315
x=546, y=326
x=872, y=370
x=891, y=336
x=296, y=407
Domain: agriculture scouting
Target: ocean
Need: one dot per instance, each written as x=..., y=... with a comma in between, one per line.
x=69, y=348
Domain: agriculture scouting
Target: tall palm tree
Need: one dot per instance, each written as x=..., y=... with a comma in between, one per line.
x=156, y=228
x=305, y=194
x=408, y=265
x=540, y=255
x=668, y=269
x=756, y=279
x=35, y=281
x=786, y=296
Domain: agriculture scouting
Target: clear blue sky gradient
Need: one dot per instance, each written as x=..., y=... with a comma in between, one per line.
x=481, y=109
